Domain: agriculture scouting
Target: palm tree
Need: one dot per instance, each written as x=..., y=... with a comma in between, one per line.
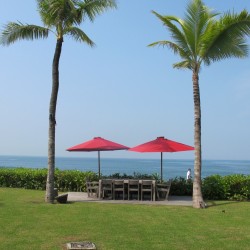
x=199, y=39
x=61, y=18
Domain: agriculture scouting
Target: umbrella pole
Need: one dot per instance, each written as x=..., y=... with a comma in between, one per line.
x=161, y=166
x=99, y=165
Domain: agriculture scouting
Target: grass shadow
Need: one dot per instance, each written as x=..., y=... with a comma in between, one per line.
x=220, y=203
x=66, y=203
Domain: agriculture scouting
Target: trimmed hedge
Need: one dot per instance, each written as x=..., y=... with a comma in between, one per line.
x=230, y=187
x=215, y=187
x=181, y=186
x=73, y=180
x=65, y=180
x=23, y=178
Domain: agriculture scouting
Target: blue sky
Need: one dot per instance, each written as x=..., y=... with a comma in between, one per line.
x=121, y=89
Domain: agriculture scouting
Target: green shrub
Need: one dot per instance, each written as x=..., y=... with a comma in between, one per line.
x=213, y=188
x=23, y=178
x=65, y=180
x=181, y=186
x=237, y=187
x=230, y=187
x=73, y=180
x=136, y=175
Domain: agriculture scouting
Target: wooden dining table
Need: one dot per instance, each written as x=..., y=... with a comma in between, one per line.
x=126, y=183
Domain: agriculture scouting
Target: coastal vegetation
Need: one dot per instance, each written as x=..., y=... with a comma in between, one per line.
x=27, y=222
x=201, y=39
x=215, y=187
x=60, y=18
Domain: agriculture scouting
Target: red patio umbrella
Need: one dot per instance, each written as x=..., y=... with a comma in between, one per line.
x=161, y=144
x=98, y=144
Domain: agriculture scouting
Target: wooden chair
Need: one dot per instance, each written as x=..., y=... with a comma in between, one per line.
x=106, y=188
x=118, y=188
x=163, y=190
x=133, y=188
x=147, y=187
x=92, y=188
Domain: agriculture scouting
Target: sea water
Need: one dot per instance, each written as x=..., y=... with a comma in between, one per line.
x=171, y=168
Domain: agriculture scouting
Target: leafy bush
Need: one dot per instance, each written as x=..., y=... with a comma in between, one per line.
x=230, y=187
x=213, y=188
x=65, y=180
x=23, y=178
x=181, y=186
x=134, y=176
x=237, y=187
x=73, y=180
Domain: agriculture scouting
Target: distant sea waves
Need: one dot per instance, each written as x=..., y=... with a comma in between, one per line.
x=171, y=168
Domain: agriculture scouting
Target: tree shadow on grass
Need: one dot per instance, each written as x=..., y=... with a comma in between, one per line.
x=66, y=203
x=220, y=203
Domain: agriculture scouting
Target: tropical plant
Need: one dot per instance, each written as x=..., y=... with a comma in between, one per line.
x=213, y=188
x=61, y=18
x=199, y=39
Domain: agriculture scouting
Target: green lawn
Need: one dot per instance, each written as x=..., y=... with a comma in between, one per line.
x=27, y=222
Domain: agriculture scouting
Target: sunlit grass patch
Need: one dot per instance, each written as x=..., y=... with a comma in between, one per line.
x=27, y=222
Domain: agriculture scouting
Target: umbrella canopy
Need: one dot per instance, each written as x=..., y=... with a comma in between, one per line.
x=161, y=144
x=98, y=144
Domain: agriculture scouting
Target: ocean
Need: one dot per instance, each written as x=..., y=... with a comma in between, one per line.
x=171, y=168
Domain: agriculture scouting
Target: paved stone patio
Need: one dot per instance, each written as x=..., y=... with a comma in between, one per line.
x=173, y=200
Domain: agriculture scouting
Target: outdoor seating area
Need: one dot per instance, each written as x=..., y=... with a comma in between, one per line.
x=172, y=200
x=121, y=190
x=128, y=189
x=160, y=144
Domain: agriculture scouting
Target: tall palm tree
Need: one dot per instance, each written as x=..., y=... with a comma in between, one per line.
x=61, y=18
x=202, y=38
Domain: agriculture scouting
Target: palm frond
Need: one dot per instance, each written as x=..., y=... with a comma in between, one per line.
x=169, y=44
x=176, y=33
x=228, y=38
x=239, y=23
x=60, y=13
x=79, y=36
x=92, y=8
x=18, y=31
x=196, y=20
x=183, y=65
x=174, y=47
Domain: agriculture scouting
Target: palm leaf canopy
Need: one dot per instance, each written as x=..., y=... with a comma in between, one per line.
x=18, y=31
x=201, y=37
x=92, y=8
x=69, y=12
x=61, y=17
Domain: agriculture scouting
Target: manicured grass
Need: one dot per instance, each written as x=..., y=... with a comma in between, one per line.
x=27, y=222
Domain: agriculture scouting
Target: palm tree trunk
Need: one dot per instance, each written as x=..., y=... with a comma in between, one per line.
x=197, y=194
x=52, y=123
